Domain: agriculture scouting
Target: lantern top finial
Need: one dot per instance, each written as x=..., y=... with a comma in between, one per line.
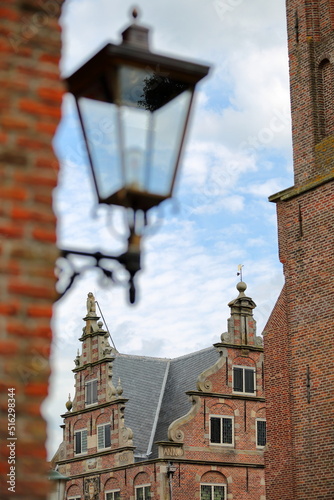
x=136, y=35
x=135, y=13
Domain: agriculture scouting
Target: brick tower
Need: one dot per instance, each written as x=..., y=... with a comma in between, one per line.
x=298, y=355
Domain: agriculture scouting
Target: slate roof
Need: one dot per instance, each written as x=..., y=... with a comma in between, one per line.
x=155, y=388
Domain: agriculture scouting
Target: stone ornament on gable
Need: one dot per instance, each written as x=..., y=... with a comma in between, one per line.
x=92, y=488
x=225, y=337
x=91, y=305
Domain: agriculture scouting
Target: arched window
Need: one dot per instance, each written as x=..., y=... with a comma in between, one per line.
x=326, y=113
x=213, y=486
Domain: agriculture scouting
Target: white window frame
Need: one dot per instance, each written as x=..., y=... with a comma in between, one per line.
x=243, y=380
x=259, y=446
x=112, y=491
x=97, y=437
x=89, y=382
x=74, y=498
x=212, y=486
x=75, y=442
x=231, y=417
x=142, y=486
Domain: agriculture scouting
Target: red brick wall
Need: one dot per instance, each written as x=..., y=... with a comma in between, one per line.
x=278, y=458
x=298, y=355
x=30, y=95
x=309, y=46
x=302, y=353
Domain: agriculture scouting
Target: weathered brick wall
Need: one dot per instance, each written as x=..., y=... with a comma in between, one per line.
x=298, y=356
x=299, y=350
x=310, y=43
x=242, y=483
x=30, y=95
x=279, y=479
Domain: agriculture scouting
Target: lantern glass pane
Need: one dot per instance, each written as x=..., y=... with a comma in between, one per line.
x=145, y=88
x=100, y=121
x=168, y=127
x=134, y=136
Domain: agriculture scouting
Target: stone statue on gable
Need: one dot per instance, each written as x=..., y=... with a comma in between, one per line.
x=91, y=305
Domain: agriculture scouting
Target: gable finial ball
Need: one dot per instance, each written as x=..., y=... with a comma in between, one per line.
x=135, y=13
x=241, y=286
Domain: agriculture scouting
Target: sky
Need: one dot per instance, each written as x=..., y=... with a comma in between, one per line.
x=237, y=153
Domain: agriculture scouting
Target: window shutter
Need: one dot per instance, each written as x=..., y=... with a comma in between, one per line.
x=249, y=380
x=77, y=442
x=83, y=441
x=91, y=392
x=215, y=430
x=94, y=390
x=238, y=379
x=227, y=431
x=107, y=441
x=88, y=394
x=100, y=437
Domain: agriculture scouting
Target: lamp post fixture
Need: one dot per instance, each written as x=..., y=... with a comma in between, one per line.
x=171, y=469
x=144, y=99
x=59, y=483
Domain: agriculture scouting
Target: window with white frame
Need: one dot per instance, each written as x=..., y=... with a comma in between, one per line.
x=113, y=495
x=221, y=430
x=213, y=492
x=80, y=441
x=244, y=379
x=91, y=392
x=261, y=432
x=143, y=492
x=73, y=498
x=103, y=436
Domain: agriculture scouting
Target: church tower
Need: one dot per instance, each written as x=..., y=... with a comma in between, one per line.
x=298, y=355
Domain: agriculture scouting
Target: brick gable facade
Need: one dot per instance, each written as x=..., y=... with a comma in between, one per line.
x=215, y=446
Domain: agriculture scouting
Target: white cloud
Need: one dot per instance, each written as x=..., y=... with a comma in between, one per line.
x=237, y=153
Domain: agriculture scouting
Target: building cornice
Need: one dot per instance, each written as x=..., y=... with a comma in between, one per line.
x=164, y=461
x=294, y=191
x=225, y=396
x=94, y=407
x=95, y=455
x=244, y=347
x=94, y=363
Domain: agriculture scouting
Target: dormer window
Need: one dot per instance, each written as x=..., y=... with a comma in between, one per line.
x=244, y=379
x=91, y=392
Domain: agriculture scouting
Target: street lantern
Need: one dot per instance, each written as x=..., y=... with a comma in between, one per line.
x=134, y=108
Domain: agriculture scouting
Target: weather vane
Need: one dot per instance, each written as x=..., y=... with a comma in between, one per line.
x=239, y=273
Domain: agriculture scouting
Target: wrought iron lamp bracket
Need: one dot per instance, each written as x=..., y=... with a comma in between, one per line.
x=130, y=260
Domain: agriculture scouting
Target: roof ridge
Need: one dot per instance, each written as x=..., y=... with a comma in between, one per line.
x=157, y=413
x=193, y=353
x=141, y=356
